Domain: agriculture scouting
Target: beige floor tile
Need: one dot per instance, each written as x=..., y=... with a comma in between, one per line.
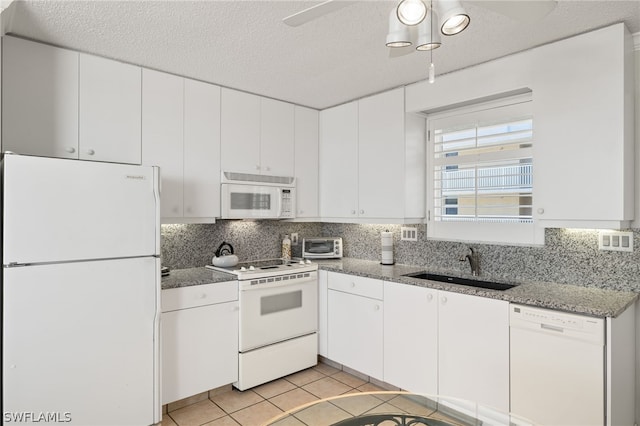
x=326, y=369
x=197, y=414
x=292, y=399
x=349, y=379
x=357, y=404
x=167, y=421
x=303, y=377
x=385, y=408
x=287, y=421
x=276, y=387
x=257, y=414
x=222, y=421
x=235, y=400
x=370, y=387
x=327, y=387
x=411, y=406
x=176, y=405
x=322, y=414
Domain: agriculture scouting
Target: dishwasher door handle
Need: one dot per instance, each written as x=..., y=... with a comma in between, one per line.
x=552, y=328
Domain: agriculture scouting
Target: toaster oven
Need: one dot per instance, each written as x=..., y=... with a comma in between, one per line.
x=322, y=248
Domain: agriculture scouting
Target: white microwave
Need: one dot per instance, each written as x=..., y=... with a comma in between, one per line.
x=247, y=196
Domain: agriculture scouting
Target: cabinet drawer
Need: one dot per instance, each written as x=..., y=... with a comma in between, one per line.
x=353, y=284
x=199, y=295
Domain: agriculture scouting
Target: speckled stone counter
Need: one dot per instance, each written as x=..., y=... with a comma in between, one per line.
x=194, y=276
x=569, y=298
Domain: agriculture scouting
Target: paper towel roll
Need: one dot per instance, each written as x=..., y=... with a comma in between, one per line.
x=387, y=248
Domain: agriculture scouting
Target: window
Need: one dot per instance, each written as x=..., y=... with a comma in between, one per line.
x=481, y=173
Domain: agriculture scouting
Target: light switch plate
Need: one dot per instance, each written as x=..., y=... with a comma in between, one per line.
x=408, y=233
x=615, y=241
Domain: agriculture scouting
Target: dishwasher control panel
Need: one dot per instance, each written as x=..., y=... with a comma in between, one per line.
x=561, y=322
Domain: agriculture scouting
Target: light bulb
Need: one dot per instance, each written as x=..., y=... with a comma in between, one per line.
x=432, y=73
x=411, y=12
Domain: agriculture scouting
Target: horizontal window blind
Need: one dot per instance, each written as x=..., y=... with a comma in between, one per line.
x=483, y=166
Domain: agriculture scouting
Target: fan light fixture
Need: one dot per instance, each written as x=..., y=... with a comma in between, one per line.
x=453, y=20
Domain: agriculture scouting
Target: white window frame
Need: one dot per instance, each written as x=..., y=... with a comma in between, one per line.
x=482, y=232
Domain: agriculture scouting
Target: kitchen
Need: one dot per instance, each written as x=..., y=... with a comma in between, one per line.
x=568, y=256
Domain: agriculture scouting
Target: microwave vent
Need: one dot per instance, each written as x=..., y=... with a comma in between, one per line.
x=248, y=177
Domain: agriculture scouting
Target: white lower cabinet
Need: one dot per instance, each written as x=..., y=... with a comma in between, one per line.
x=355, y=323
x=199, y=339
x=323, y=323
x=411, y=337
x=473, y=349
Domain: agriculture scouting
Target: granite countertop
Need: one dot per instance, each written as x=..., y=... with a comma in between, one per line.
x=570, y=298
x=194, y=276
x=563, y=297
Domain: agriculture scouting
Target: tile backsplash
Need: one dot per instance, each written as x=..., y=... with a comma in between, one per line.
x=568, y=256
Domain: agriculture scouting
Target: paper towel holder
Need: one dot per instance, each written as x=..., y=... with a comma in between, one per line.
x=386, y=248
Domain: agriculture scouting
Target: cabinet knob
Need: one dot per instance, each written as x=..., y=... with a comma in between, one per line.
x=429, y=297
x=353, y=212
x=361, y=211
x=257, y=167
x=236, y=308
x=203, y=296
x=70, y=150
x=376, y=308
x=90, y=151
x=443, y=299
x=540, y=210
x=353, y=284
x=268, y=168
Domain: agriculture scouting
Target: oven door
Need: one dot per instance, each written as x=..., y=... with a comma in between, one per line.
x=250, y=201
x=276, y=311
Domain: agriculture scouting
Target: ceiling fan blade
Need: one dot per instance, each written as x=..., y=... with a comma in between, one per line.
x=527, y=11
x=315, y=12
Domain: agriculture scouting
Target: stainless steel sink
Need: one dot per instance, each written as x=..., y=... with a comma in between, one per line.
x=423, y=275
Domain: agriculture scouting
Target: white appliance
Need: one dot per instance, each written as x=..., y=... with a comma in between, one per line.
x=247, y=196
x=80, y=292
x=322, y=248
x=557, y=367
x=278, y=319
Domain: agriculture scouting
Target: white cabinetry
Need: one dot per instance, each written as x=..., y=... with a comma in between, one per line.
x=39, y=99
x=411, y=337
x=372, y=161
x=584, y=130
x=110, y=110
x=473, y=349
x=199, y=339
x=323, y=320
x=355, y=323
x=306, y=161
x=257, y=134
x=180, y=133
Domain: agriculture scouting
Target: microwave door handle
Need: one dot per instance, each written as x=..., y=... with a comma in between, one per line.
x=278, y=194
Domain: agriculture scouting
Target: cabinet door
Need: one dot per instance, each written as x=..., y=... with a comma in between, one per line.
x=39, y=99
x=583, y=150
x=322, y=314
x=473, y=350
x=411, y=337
x=201, y=150
x=240, y=132
x=306, y=161
x=339, y=161
x=381, y=168
x=199, y=350
x=162, y=135
x=355, y=332
x=276, y=138
x=110, y=110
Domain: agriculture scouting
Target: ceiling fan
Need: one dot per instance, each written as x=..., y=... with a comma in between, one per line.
x=521, y=10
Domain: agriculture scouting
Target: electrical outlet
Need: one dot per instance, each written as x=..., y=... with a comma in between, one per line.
x=615, y=241
x=408, y=233
x=294, y=239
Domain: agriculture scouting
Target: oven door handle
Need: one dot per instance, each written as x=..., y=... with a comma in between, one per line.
x=278, y=284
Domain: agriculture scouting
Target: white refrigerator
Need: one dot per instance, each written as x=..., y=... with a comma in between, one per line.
x=80, y=292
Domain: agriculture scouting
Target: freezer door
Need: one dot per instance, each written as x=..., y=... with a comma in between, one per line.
x=63, y=210
x=80, y=340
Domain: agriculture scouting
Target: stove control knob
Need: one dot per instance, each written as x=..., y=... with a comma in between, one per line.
x=308, y=261
x=242, y=268
x=252, y=268
x=301, y=262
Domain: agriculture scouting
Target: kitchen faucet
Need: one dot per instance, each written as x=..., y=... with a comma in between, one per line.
x=474, y=261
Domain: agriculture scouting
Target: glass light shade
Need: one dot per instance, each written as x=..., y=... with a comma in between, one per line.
x=398, y=35
x=453, y=17
x=427, y=38
x=411, y=12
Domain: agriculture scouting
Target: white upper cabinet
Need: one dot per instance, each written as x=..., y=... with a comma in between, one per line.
x=240, y=132
x=257, y=134
x=162, y=133
x=181, y=134
x=39, y=99
x=277, y=138
x=339, y=161
x=110, y=110
x=583, y=129
x=306, y=161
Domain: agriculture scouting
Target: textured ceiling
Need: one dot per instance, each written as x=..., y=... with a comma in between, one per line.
x=244, y=44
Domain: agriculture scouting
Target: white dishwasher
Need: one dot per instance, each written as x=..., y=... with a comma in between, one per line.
x=557, y=367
